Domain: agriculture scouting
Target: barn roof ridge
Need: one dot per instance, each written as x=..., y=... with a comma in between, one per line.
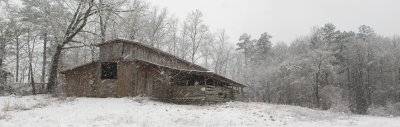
x=118, y=40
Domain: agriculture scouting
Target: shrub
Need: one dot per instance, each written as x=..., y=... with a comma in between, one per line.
x=378, y=111
x=340, y=106
x=16, y=106
x=6, y=106
x=4, y=115
x=65, y=99
x=390, y=110
x=140, y=99
x=40, y=105
x=3, y=112
x=332, y=99
x=394, y=109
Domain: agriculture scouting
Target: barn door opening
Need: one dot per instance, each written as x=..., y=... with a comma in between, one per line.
x=109, y=70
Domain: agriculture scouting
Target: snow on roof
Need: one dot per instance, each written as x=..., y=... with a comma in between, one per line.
x=77, y=67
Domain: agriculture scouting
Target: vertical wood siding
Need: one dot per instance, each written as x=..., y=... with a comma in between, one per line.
x=125, y=79
x=83, y=82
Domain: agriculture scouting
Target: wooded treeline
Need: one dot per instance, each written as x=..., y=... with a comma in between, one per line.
x=328, y=69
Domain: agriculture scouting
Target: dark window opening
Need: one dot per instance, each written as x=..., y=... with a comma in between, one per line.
x=109, y=70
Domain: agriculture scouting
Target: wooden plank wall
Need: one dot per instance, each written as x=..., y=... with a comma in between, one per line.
x=83, y=82
x=108, y=88
x=152, y=81
x=111, y=52
x=86, y=81
x=144, y=80
x=140, y=74
x=105, y=53
x=125, y=78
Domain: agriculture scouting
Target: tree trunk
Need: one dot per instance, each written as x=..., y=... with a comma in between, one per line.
x=360, y=97
x=103, y=24
x=206, y=59
x=32, y=78
x=54, y=69
x=44, y=58
x=2, y=51
x=289, y=101
x=368, y=88
x=30, y=53
x=193, y=54
x=317, y=89
x=3, y=76
x=17, y=60
x=326, y=79
x=399, y=76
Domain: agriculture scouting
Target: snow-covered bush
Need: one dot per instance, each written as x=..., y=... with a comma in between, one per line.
x=2, y=90
x=3, y=112
x=378, y=110
x=341, y=107
x=5, y=90
x=15, y=107
x=64, y=99
x=18, y=106
x=389, y=110
x=3, y=115
x=140, y=99
x=332, y=99
x=394, y=109
x=6, y=106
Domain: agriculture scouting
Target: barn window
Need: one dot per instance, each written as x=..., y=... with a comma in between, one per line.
x=109, y=70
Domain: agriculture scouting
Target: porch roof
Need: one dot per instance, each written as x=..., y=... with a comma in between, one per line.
x=207, y=74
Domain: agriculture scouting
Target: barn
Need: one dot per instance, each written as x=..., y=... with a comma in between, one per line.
x=129, y=68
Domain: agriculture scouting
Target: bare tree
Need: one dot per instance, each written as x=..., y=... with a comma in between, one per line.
x=221, y=53
x=79, y=19
x=83, y=11
x=157, y=27
x=197, y=32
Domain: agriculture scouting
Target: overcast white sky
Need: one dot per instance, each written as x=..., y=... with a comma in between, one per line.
x=287, y=19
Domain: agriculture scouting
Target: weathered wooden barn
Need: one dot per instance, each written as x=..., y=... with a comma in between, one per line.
x=128, y=68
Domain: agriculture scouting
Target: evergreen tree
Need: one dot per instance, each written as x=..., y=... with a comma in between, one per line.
x=263, y=46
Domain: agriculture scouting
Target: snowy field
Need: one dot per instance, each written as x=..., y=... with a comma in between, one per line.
x=44, y=111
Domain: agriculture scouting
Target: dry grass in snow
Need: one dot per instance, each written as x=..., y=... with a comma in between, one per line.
x=42, y=111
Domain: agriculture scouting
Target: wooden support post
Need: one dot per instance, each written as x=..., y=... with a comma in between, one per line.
x=205, y=80
x=214, y=83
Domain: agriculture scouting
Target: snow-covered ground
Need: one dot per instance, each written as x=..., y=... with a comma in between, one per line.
x=43, y=111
